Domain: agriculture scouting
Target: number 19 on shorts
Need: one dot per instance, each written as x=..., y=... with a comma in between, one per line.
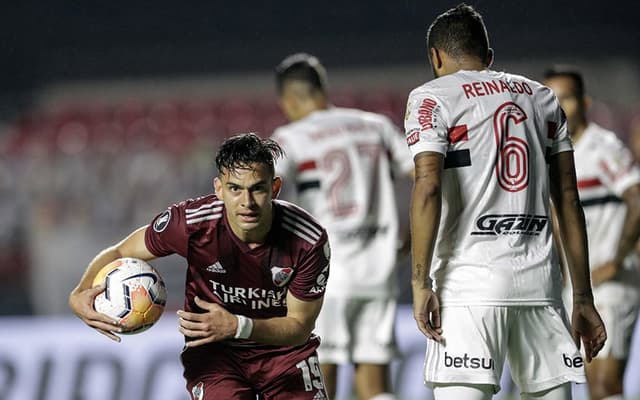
x=311, y=374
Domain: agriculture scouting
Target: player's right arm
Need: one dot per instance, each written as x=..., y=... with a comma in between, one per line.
x=82, y=296
x=428, y=143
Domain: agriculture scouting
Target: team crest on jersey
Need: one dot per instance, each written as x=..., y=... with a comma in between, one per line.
x=197, y=392
x=162, y=221
x=281, y=275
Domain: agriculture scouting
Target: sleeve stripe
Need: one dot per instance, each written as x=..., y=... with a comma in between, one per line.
x=301, y=220
x=203, y=212
x=207, y=218
x=301, y=227
x=298, y=233
x=210, y=205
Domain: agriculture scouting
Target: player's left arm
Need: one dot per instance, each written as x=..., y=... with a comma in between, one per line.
x=293, y=329
x=628, y=239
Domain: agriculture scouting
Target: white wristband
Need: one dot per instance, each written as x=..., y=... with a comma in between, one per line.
x=245, y=327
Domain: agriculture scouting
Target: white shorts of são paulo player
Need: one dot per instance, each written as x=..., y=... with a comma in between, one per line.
x=356, y=330
x=478, y=339
x=618, y=304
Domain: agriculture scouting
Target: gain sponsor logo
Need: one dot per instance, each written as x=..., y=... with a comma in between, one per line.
x=510, y=224
x=468, y=362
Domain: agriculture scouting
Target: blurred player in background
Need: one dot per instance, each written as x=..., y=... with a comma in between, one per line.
x=609, y=186
x=340, y=165
x=257, y=269
x=634, y=137
x=490, y=150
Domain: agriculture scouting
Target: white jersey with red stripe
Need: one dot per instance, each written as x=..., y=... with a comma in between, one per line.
x=605, y=169
x=339, y=165
x=497, y=131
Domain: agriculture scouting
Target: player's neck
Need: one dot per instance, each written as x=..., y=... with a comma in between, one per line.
x=463, y=65
x=316, y=107
x=577, y=130
x=254, y=237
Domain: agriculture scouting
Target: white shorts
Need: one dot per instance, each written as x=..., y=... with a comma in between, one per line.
x=535, y=340
x=356, y=330
x=618, y=306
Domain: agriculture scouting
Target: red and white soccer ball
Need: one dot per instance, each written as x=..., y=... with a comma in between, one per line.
x=135, y=294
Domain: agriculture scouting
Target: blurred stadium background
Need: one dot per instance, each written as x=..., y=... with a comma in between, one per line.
x=110, y=112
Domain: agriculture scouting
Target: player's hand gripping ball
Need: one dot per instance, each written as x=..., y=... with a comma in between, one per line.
x=134, y=294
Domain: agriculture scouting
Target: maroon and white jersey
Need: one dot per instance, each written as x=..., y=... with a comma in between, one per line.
x=497, y=131
x=339, y=165
x=605, y=169
x=222, y=269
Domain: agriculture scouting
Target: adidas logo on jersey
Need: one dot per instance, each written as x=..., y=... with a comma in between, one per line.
x=217, y=267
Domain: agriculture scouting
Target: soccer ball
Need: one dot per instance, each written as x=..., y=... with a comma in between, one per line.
x=135, y=294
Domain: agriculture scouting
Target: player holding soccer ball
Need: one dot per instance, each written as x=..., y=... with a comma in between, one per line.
x=257, y=269
x=491, y=149
x=609, y=185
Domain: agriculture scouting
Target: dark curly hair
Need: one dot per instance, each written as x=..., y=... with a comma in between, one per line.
x=460, y=31
x=242, y=150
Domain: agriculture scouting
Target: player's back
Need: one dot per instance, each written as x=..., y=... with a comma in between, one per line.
x=497, y=131
x=340, y=163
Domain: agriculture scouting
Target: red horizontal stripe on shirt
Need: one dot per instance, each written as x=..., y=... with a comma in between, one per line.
x=307, y=165
x=457, y=134
x=589, y=183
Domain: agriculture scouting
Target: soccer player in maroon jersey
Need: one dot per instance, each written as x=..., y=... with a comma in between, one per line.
x=257, y=269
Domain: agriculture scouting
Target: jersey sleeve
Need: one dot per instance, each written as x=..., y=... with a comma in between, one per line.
x=312, y=274
x=167, y=233
x=401, y=159
x=558, y=130
x=618, y=171
x=425, y=128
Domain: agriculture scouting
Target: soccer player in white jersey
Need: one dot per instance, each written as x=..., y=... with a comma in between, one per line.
x=342, y=162
x=491, y=150
x=609, y=186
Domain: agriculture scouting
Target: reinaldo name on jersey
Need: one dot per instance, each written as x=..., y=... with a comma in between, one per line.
x=495, y=86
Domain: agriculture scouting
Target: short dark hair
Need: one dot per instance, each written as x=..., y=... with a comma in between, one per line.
x=242, y=150
x=567, y=71
x=301, y=67
x=460, y=31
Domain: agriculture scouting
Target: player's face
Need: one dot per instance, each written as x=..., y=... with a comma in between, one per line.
x=247, y=195
x=296, y=100
x=565, y=90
